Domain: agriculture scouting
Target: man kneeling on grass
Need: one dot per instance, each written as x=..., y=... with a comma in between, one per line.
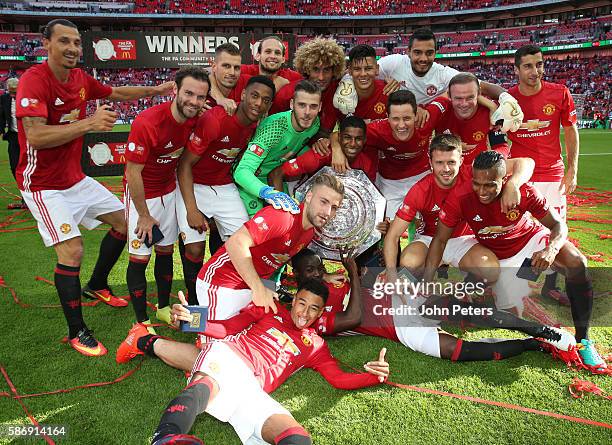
x=231, y=378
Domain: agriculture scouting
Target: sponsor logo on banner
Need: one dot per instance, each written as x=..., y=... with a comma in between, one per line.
x=114, y=49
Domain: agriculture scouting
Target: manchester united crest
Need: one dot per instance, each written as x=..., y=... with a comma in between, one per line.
x=379, y=108
x=306, y=340
x=135, y=244
x=82, y=93
x=513, y=214
x=478, y=136
x=549, y=109
x=65, y=228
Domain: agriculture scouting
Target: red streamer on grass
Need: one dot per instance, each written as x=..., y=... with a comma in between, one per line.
x=502, y=405
x=17, y=397
x=579, y=387
x=74, y=388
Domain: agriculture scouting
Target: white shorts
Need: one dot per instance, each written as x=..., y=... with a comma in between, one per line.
x=221, y=202
x=509, y=289
x=455, y=249
x=414, y=331
x=550, y=191
x=163, y=209
x=394, y=191
x=240, y=401
x=59, y=212
x=222, y=302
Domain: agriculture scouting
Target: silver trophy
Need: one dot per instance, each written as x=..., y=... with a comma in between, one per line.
x=354, y=226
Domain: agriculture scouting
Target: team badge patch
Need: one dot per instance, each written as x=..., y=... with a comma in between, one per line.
x=82, y=93
x=478, y=136
x=256, y=149
x=549, y=109
x=379, y=108
x=513, y=214
x=214, y=367
x=431, y=90
x=65, y=228
x=306, y=340
x=261, y=223
x=135, y=244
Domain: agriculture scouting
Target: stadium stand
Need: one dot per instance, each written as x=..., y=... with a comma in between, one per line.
x=289, y=7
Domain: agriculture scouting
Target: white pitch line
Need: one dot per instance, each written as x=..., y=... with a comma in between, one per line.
x=592, y=154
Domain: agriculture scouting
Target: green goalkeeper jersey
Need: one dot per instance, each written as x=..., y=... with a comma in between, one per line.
x=275, y=142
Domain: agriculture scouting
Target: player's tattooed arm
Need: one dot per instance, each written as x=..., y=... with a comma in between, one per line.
x=40, y=135
x=133, y=93
x=543, y=259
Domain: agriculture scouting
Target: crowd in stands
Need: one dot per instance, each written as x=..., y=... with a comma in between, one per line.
x=590, y=77
x=268, y=7
x=583, y=30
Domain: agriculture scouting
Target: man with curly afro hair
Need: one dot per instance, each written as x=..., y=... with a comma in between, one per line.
x=322, y=62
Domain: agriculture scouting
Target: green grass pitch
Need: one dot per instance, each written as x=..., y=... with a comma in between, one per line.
x=128, y=412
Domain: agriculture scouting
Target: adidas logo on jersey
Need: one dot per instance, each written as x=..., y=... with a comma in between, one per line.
x=288, y=243
x=225, y=139
x=169, y=145
x=477, y=218
x=435, y=208
x=58, y=102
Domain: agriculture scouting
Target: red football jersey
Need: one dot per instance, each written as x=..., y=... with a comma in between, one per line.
x=40, y=94
x=538, y=138
x=310, y=162
x=328, y=115
x=157, y=141
x=219, y=139
x=235, y=93
x=277, y=236
x=274, y=348
x=474, y=132
x=375, y=320
x=427, y=197
x=504, y=233
x=375, y=106
x=403, y=159
x=286, y=73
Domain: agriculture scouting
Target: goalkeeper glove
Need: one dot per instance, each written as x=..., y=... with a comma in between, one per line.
x=509, y=114
x=345, y=97
x=279, y=200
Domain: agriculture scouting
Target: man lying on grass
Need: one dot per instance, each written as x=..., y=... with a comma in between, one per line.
x=231, y=378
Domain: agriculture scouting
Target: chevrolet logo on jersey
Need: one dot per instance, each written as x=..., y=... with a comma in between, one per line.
x=281, y=258
x=284, y=341
x=229, y=153
x=175, y=154
x=73, y=116
x=494, y=230
x=534, y=124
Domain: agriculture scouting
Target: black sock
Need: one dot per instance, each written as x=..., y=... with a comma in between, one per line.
x=480, y=315
x=191, y=268
x=466, y=351
x=110, y=250
x=214, y=241
x=180, y=414
x=137, y=285
x=145, y=344
x=68, y=288
x=550, y=282
x=581, y=303
x=163, y=277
